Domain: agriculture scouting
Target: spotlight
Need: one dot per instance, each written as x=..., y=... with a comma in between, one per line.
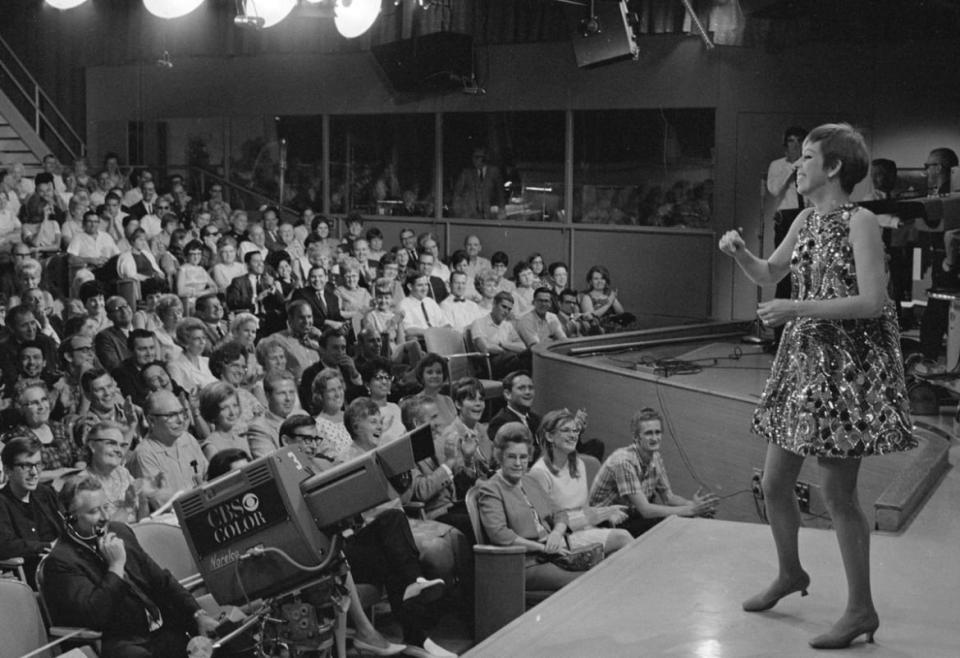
x=354, y=17
x=65, y=4
x=590, y=25
x=171, y=8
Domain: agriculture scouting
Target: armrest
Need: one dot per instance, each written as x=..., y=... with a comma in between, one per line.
x=71, y=632
x=11, y=562
x=415, y=508
x=490, y=549
x=191, y=583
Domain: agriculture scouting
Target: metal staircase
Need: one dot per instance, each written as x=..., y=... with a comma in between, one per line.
x=31, y=125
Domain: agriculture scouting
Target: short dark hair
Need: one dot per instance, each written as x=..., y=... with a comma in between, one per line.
x=794, y=131
x=567, y=292
x=841, y=144
x=17, y=446
x=89, y=290
x=43, y=177
x=89, y=376
x=295, y=422
x=328, y=334
x=466, y=387
x=203, y=300
x=30, y=344
x=139, y=333
x=220, y=463
x=503, y=295
x=225, y=353
x=370, y=368
x=948, y=156
x=16, y=312
x=374, y=232
x=247, y=257
x=499, y=258
x=432, y=359
x=153, y=286
x=512, y=377
x=543, y=289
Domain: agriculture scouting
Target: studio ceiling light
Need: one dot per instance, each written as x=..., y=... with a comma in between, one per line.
x=65, y=4
x=171, y=8
x=354, y=17
x=271, y=11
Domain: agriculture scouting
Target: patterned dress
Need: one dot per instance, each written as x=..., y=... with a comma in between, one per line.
x=836, y=387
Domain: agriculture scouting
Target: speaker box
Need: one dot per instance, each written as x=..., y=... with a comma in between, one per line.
x=614, y=41
x=434, y=63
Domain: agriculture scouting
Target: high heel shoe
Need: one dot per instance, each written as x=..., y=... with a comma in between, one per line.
x=842, y=638
x=768, y=599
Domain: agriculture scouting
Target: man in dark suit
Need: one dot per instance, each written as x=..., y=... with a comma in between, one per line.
x=143, y=348
x=210, y=310
x=478, y=193
x=148, y=204
x=253, y=291
x=408, y=240
x=271, y=220
x=111, y=343
x=438, y=289
x=97, y=576
x=518, y=392
x=322, y=299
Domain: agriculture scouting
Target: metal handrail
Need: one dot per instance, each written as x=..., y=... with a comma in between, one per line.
x=35, y=102
x=239, y=189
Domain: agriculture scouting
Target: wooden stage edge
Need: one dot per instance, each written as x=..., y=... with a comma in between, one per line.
x=707, y=440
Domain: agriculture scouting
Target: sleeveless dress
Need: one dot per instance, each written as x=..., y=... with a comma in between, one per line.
x=836, y=387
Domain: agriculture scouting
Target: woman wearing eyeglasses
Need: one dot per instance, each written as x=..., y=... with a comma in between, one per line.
x=57, y=448
x=128, y=499
x=376, y=374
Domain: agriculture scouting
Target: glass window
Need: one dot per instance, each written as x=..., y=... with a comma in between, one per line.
x=644, y=167
x=382, y=164
x=506, y=165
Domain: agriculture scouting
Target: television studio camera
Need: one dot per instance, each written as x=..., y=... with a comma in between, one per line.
x=268, y=537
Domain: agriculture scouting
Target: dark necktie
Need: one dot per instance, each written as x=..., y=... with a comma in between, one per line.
x=426, y=316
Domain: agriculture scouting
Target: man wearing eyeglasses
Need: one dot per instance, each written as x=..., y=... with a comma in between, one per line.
x=300, y=430
x=169, y=455
x=29, y=512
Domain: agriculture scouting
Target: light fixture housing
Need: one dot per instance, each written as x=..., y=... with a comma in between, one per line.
x=354, y=17
x=171, y=8
x=65, y=4
x=271, y=11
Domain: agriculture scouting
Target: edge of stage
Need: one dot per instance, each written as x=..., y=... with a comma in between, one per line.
x=707, y=416
x=677, y=590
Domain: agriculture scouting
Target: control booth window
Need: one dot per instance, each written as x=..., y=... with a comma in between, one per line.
x=503, y=165
x=382, y=164
x=644, y=167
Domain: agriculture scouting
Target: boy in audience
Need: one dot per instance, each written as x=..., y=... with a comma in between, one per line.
x=635, y=476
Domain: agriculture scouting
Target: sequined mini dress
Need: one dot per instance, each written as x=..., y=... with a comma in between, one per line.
x=836, y=387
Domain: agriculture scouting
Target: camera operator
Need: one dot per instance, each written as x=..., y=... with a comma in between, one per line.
x=97, y=576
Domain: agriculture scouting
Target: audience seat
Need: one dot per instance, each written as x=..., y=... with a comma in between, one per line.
x=449, y=343
x=168, y=547
x=12, y=567
x=500, y=594
x=23, y=628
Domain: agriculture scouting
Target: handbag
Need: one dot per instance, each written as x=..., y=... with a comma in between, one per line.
x=582, y=558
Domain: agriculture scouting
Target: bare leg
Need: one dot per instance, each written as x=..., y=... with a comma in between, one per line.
x=361, y=623
x=780, y=471
x=853, y=535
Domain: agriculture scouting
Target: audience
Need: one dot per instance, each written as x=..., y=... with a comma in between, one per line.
x=634, y=476
x=563, y=478
x=509, y=518
x=164, y=384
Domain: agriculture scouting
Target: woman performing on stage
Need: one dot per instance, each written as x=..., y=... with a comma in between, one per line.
x=836, y=389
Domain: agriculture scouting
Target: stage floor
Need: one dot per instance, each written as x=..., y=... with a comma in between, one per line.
x=676, y=591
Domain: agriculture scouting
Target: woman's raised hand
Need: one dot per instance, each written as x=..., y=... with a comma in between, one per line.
x=731, y=243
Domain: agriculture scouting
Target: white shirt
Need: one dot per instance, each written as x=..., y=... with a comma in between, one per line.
x=413, y=317
x=777, y=175
x=86, y=246
x=150, y=224
x=461, y=314
x=188, y=375
x=494, y=334
x=533, y=329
